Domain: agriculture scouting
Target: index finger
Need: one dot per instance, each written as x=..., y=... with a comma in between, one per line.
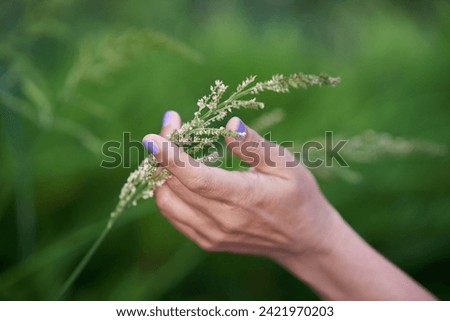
x=208, y=181
x=170, y=122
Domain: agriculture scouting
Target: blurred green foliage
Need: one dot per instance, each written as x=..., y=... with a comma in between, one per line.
x=74, y=74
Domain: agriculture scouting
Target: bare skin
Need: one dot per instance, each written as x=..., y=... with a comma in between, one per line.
x=276, y=211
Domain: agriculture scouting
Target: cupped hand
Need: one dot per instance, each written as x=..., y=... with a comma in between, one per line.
x=274, y=209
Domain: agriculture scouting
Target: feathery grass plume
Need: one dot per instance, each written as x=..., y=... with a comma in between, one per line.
x=98, y=58
x=101, y=56
x=370, y=146
x=195, y=136
x=268, y=120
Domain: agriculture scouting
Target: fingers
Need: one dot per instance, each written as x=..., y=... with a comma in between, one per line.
x=210, y=233
x=210, y=208
x=182, y=216
x=167, y=153
x=263, y=155
x=171, y=121
x=197, y=177
x=191, y=172
x=193, y=199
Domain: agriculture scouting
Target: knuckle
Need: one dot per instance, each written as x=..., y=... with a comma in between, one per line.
x=171, y=156
x=219, y=240
x=235, y=208
x=228, y=227
x=257, y=201
x=250, y=199
x=162, y=199
x=173, y=183
x=206, y=245
x=199, y=184
x=213, y=241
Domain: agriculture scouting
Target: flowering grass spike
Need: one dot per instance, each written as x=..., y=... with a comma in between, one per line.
x=198, y=135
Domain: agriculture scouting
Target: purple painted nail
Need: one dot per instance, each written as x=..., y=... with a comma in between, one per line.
x=241, y=130
x=166, y=118
x=151, y=146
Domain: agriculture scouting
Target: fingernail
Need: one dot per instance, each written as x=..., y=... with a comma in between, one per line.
x=151, y=146
x=241, y=130
x=166, y=118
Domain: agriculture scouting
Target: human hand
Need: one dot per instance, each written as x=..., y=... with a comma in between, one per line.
x=275, y=209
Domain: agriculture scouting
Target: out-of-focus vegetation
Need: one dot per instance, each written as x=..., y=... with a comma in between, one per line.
x=74, y=74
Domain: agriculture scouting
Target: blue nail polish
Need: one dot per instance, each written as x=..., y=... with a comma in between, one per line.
x=241, y=130
x=151, y=146
x=166, y=118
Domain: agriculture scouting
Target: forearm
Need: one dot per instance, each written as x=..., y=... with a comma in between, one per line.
x=350, y=269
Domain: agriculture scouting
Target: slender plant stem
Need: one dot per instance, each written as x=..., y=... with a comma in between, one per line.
x=80, y=267
x=22, y=177
x=87, y=257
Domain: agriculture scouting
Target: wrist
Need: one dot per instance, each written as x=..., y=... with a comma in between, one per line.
x=314, y=265
x=345, y=267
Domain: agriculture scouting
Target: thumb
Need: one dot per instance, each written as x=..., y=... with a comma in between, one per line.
x=262, y=154
x=172, y=157
x=208, y=181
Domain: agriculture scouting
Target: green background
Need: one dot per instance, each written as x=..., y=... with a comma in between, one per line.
x=75, y=74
